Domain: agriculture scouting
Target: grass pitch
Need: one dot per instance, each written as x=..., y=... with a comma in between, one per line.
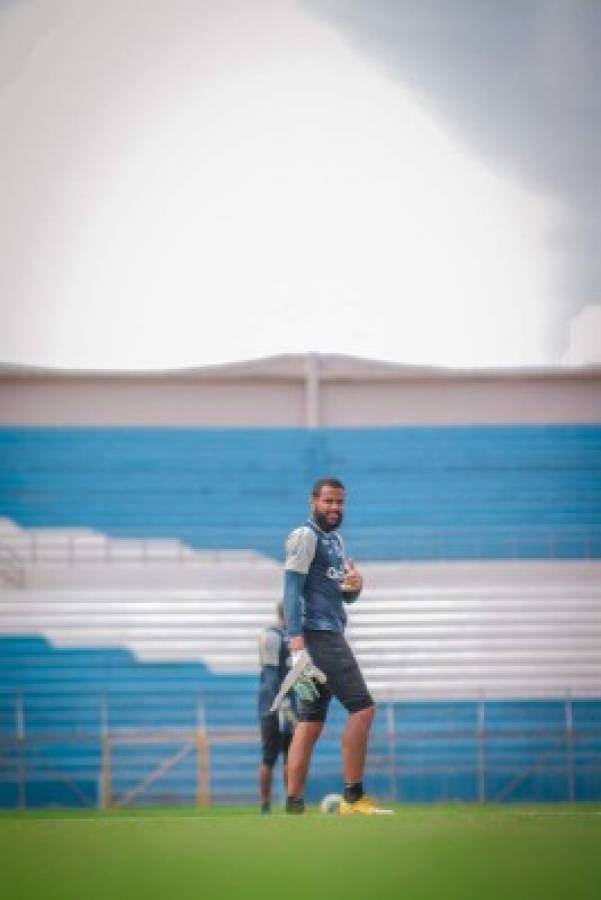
x=446, y=852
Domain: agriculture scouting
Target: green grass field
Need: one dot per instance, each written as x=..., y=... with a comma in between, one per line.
x=445, y=852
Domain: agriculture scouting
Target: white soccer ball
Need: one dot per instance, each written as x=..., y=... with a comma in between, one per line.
x=330, y=804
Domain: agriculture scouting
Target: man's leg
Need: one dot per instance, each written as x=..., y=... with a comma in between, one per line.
x=354, y=744
x=270, y=741
x=265, y=777
x=299, y=757
x=331, y=653
x=286, y=741
x=354, y=751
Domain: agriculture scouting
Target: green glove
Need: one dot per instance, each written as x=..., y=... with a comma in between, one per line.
x=305, y=686
x=305, y=690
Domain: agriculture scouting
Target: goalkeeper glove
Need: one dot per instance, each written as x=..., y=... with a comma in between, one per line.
x=305, y=686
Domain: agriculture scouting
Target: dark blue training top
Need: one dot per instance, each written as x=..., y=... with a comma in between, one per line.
x=314, y=570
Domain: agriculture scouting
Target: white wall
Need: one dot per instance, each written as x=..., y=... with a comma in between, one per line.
x=299, y=391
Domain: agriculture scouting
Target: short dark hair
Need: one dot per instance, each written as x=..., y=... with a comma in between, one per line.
x=327, y=481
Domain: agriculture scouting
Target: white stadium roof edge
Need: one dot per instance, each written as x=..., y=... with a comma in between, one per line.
x=331, y=367
x=300, y=391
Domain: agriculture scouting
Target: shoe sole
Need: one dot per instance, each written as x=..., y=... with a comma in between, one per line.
x=374, y=812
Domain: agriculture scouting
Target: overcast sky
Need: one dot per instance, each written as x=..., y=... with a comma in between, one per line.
x=186, y=182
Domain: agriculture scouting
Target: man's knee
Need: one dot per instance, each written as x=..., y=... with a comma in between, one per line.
x=304, y=738
x=309, y=730
x=364, y=715
x=268, y=759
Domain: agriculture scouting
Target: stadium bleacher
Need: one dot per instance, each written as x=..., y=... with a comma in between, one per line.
x=518, y=750
x=461, y=657
x=414, y=493
x=488, y=688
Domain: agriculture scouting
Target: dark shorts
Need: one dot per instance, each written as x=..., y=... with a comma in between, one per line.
x=273, y=741
x=331, y=653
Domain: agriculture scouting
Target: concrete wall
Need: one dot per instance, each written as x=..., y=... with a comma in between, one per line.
x=143, y=401
x=301, y=391
x=462, y=400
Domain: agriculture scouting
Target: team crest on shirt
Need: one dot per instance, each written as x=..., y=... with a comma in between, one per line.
x=335, y=574
x=333, y=549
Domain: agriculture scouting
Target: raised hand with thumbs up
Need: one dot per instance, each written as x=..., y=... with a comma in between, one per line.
x=352, y=582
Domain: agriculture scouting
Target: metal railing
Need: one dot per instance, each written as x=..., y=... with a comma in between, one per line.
x=462, y=757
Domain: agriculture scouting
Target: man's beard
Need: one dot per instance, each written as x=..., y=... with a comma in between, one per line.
x=324, y=524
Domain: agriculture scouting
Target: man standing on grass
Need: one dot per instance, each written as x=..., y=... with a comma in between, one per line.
x=276, y=727
x=319, y=580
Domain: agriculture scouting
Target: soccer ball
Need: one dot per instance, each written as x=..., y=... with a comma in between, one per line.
x=330, y=804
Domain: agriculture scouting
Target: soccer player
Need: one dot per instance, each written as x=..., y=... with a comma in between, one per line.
x=319, y=581
x=276, y=727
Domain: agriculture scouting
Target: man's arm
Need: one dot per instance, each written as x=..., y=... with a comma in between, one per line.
x=300, y=550
x=294, y=583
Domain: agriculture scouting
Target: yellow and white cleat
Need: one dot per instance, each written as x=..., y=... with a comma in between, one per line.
x=363, y=807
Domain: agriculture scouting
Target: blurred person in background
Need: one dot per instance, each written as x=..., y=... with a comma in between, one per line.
x=276, y=727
